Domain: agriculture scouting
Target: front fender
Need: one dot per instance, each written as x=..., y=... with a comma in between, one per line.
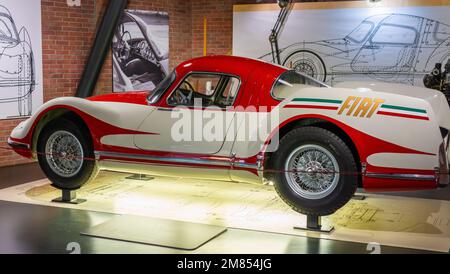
x=102, y=118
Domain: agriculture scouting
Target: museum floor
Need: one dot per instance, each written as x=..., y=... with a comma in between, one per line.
x=28, y=228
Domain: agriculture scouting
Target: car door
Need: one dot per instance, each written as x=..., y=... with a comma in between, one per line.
x=391, y=49
x=196, y=118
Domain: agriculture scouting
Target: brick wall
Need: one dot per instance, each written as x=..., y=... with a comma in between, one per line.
x=68, y=35
x=66, y=38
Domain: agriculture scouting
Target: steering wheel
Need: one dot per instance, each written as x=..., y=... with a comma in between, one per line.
x=191, y=88
x=125, y=47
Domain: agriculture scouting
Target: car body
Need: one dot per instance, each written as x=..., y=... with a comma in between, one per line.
x=17, y=74
x=360, y=133
x=139, y=64
x=398, y=48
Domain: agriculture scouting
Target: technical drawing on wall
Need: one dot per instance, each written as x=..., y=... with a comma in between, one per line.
x=387, y=47
x=348, y=40
x=18, y=74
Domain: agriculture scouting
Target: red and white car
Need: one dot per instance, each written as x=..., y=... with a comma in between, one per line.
x=331, y=139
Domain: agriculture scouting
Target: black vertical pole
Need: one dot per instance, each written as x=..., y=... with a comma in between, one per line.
x=100, y=48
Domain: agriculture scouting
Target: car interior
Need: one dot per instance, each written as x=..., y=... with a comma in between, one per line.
x=207, y=90
x=135, y=56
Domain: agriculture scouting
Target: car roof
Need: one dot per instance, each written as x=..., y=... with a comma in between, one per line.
x=234, y=65
x=395, y=18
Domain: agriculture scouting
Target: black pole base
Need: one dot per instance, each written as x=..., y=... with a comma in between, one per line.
x=359, y=197
x=139, y=177
x=314, y=223
x=69, y=197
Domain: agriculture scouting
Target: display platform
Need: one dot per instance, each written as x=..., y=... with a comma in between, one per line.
x=387, y=220
x=155, y=231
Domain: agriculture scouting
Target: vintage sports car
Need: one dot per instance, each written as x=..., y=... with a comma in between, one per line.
x=17, y=75
x=395, y=48
x=331, y=140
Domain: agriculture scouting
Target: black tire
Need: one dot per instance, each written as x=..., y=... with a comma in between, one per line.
x=88, y=169
x=345, y=186
x=307, y=62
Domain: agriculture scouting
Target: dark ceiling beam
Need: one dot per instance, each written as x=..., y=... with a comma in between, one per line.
x=102, y=43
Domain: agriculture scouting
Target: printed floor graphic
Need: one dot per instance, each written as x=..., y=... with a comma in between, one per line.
x=387, y=220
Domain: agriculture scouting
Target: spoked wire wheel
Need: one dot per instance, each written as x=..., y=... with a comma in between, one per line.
x=64, y=153
x=312, y=171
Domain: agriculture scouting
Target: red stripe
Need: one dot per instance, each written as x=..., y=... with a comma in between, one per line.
x=309, y=106
x=402, y=115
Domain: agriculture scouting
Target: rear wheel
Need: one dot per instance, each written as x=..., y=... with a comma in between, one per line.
x=66, y=154
x=314, y=171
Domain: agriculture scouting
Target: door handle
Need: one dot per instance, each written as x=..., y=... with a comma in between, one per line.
x=167, y=109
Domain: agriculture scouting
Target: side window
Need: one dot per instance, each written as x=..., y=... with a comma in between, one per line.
x=392, y=34
x=229, y=93
x=209, y=89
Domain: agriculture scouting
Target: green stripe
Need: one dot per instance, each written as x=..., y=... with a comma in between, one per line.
x=317, y=100
x=404, y=108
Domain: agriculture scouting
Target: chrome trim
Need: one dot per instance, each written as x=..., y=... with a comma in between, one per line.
x=245, y=165
x=17, y=144
x=96, y=155
x=167, y=159
x=156, y=99
x=165, y=109
x=415, y=177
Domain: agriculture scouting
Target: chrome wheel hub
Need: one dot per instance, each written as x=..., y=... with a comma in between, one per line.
x=64, y=153
x=312, y=171
x=306, y=67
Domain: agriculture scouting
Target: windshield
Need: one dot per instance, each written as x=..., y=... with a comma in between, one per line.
x=161, y=88
x=292, y=81
x=361, y=32
x=133, y=30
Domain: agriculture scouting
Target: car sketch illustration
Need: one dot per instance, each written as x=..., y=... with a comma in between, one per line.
x=388, y=47
x=138, y=62
x=331, y=139
x=17, y=75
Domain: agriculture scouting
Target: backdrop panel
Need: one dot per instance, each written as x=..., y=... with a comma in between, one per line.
x=140, y=50
x=390, y=41
x=20, y=58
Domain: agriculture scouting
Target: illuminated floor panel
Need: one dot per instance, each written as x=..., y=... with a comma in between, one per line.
x=402, y=222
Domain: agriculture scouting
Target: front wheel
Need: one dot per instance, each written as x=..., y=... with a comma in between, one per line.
x=314, y=171
x=66, y=155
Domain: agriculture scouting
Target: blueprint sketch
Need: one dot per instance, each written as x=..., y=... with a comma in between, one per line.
x=20, y=58
x=373, y=44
